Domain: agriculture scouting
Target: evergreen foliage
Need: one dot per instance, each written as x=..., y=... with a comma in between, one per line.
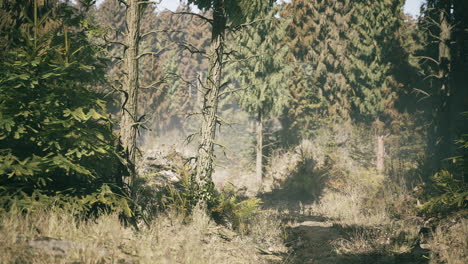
x=318, y=86
x=372, y=44
x=55, y=134
x=259, y=66
x=444, y=62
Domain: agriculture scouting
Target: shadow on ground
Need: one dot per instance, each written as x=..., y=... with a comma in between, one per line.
x=311, y=240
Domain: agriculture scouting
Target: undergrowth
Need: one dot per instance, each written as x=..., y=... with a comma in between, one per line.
x=55, y=235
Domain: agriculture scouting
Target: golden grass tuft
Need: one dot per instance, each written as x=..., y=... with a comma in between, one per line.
x=450, y=244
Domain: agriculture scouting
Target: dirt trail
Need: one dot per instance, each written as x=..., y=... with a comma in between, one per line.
x=311, y=240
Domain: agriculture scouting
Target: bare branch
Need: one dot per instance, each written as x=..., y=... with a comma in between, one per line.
x=221, y=121
x=204, y=18
x=432, y=75
x=149, y=2
x=159, y=31
x=154, y=84
x=191, y=137
x=123, y=2
x=151, y=53
x=192, y=49
x=114, y=42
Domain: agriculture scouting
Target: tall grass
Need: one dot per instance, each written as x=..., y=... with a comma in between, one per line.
x=450, y=244
x=57, y=236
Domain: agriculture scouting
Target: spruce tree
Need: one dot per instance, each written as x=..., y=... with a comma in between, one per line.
x=259, y=68
x=124, y=20
x=372, y=43
x=318, y=86
x=225, y=13
x=346, y=52
x=445, y=60
x=55, y=135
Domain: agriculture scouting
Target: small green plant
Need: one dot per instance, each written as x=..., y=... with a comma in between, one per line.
x=449, y=192
x=225, y=207
x=236, y=213
x=452, y=194
x=103, y=200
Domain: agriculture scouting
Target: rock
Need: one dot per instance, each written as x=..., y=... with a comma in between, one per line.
x=160, y=168
x=153, y=160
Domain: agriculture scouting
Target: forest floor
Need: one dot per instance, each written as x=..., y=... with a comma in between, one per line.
x=315, y=242
x=314, y=239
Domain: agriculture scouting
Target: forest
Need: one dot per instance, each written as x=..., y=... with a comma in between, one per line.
x=233, y=131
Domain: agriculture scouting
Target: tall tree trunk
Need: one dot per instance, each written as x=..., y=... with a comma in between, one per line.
x=210, y=100
x=259, y=152
x=128, y=127
x=380, y=153
x=442, y=138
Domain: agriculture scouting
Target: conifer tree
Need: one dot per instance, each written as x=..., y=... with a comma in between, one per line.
x=372, y=43
x=55, y=136
x=129, y=35
x=225, y=13
x=260, y=70
x=345, y=51
x=446, y=62
x=318, y=86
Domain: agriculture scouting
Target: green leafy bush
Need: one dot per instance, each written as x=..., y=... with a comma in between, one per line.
x=234, y=212
x=225, y=207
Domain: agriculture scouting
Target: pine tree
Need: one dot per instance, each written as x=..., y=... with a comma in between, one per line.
x=259, y=68
x=318, y=87
x=446, y=62
x=233, y=12
x=54, y=130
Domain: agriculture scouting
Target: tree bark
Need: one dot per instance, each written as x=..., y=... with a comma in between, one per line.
x=210, y=99
x=441, y=138
x=259, y=152
x=380, y=154
x=128, y=126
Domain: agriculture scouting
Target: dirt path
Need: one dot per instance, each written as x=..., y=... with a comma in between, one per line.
x=311, y=240
x=314, y=239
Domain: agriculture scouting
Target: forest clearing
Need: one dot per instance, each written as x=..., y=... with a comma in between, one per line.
x=233, y=131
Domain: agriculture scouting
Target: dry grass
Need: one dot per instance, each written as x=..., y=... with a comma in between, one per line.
x=54, y=236
x=450, y=245
x=362, y=208
x=372, y=229
x=266, y=229
x=347, y=201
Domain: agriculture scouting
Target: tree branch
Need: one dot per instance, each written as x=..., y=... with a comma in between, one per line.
x=159, y=31
x=204, y=18
x=151, y=53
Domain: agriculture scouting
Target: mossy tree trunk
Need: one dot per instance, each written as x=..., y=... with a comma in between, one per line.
x=128, y=123
x=211, y=97
x=441, y=136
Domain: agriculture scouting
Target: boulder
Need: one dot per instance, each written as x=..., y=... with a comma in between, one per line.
x=161, y=168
